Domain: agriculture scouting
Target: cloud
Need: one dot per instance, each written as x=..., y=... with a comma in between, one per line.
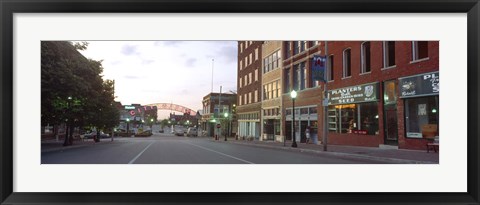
x=146, y=62
x=132, y=77
x=168, y=43
x=130, y=50
x=229, y=53
x=190, y=62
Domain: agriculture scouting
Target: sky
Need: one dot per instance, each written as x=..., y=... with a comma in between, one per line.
x=178, y=72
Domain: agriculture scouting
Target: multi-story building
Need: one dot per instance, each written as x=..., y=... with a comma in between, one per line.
x=296, y=74
x=215, y=105
x=249, y=84
x=271, y=115
x=382, y=93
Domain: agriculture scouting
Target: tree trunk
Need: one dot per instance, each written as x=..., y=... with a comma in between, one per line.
x=65, y=142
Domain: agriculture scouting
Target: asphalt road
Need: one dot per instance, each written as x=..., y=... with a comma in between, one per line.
x=169, y=149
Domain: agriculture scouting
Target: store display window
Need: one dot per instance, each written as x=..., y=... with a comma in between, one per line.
x=419, y=113
x=359, y=118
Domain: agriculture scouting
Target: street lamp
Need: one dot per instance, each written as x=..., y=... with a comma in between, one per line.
x=226, y=116
x=293, y=94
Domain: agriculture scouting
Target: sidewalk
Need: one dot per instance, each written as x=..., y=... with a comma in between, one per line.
x=53, y=145
x=401, y=156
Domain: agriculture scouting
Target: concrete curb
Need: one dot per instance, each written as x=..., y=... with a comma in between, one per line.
x=340, y=154
x=70, y=147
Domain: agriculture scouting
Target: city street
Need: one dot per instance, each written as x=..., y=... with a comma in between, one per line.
x=169, y=149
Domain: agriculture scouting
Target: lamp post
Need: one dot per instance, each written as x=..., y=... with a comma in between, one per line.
x=226, y=117
x=293, y=94
x=67, y=124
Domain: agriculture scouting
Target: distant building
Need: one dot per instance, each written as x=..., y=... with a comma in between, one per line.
x=215, y=105
x=136, y=116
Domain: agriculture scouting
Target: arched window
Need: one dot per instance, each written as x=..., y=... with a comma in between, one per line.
x=365, y=57
x=347, y=63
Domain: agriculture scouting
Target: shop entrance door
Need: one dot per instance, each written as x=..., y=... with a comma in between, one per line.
x=391, y=131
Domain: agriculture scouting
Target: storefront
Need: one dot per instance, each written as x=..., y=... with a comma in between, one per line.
x=353, y=117
x=420, y=94
x=304, y=116
x=249, y=125
x=272, y=124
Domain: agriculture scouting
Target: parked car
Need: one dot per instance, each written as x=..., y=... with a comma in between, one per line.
x=160, y=131
x=179, y=132
x=192, y=131
x=93, y=134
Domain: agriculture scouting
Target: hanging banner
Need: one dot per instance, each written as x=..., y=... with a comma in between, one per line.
x=420, y=85
x=319, y=68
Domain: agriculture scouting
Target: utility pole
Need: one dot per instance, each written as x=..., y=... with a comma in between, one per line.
x=218, y=113
x=325, y=101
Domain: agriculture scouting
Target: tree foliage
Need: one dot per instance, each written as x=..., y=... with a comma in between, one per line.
x=72, y=88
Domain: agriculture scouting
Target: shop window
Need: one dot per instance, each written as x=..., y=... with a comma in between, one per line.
x=304, y=111
x=313, y=110
x=388, y=54
x=277, y=127
x=420, y=112
x=354, y=118
x=347, y=63
x=365, y=55
x=419, y=50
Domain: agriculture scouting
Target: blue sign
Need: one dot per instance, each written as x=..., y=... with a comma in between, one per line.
x=319, y=68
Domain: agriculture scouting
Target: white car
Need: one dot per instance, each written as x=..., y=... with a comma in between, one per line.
x=192, y=132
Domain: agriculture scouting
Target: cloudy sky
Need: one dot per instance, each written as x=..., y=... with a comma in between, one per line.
x=178, y=72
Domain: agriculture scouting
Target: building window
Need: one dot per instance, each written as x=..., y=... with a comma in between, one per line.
x=256, y=96
x=250, y=58
x=250, y=97
x=388, y=54
x=420, y=112
x=240, y=82
x=286, y=80
x=347, y=63
x=256, y=74
x=314, y=43
x=296, y=48
x=256, y=53
x=419, y=50
x=241, y=65
x=250, y=78
x=245, y=98
x=271, y=62
x=245, y=79
x=365, y=57
x=264, y=92
x=330, y=68
x=241, y=47
x=359, y=118
x=246, y=61
x=240, y=100
x=288, y=50
x=299, y=76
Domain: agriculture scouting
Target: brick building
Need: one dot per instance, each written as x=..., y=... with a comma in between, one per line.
x=215, y=105
x=296, y=75
x=382, y=93
x=249, y=84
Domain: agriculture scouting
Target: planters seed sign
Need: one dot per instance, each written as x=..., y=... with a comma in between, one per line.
x=353, y=94
x=420, y=85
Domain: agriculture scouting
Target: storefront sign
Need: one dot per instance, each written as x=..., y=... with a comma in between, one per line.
x=353, y=94
x=129, y=107
x=420, y=85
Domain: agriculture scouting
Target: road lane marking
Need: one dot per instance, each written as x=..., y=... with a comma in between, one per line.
x=220, y=153
x=133, y=160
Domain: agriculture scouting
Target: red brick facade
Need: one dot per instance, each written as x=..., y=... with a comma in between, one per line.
x=404, y=66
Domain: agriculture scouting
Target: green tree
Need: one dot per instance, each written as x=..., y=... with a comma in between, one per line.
x=73, y=91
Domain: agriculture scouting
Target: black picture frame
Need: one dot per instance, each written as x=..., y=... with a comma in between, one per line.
x=10, y=7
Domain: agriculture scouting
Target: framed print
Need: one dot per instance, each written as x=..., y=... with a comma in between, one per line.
x=239, y=102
